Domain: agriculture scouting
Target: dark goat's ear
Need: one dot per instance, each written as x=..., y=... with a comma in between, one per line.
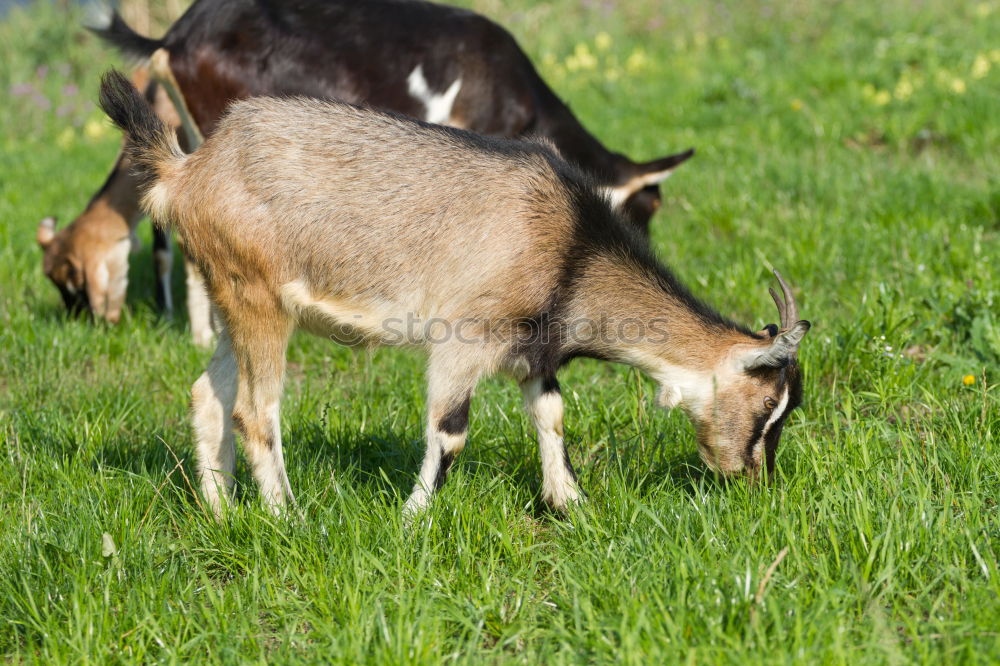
x=664, y=165
x=646, y=174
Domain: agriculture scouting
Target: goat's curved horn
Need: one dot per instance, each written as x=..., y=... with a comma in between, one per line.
x=787, y=310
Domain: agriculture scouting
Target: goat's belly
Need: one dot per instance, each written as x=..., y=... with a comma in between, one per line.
x=348, y=321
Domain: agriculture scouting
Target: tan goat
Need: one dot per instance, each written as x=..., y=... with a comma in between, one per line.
x=87, y=260
x=493, y=255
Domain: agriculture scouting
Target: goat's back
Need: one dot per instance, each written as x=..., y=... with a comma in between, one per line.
x=352, y=201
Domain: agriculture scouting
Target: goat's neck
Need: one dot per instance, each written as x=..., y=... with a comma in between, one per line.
x=576, y=144
x=630, y=318
x=117, y=198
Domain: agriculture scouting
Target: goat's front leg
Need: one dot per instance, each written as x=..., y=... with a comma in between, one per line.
x=543, y=401
x=448, y=394
x=199, y=306
x=117, y=265
x=213, y=398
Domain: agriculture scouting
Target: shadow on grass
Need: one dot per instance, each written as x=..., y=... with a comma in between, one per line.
x=380, y=462
x=383, y=461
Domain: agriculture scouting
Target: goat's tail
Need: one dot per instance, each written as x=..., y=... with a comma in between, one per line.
x=107, y=23
x=150, y=145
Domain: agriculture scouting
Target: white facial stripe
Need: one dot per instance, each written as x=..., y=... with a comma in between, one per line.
x=438, y=106
x=775, y=415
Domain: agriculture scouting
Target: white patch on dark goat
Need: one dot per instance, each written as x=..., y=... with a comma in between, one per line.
x=438, y=105
x=98, y=15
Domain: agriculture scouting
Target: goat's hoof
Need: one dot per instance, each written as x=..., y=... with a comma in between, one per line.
x=564, y=499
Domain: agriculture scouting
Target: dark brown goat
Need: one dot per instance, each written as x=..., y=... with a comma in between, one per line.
x=433, y=62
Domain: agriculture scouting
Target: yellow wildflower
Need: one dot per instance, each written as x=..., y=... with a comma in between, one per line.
x=637, y=60
x=602, y=41
x=969, y=380
x=904, y=88
x=94, y=129
x=882, y=97
x=980, y=67
x=66, y=138
x=958, y=86
x=796, y=104
x=581, y=58
x=983, y=9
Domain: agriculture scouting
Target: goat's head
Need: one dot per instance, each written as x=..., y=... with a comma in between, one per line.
x=87, y=260
x=63, y=266
x=637, y=190
x=740, y=408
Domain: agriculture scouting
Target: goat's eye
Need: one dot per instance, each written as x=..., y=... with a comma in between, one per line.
x=769, y=404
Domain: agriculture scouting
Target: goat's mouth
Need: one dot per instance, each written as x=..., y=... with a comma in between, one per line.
x=707, y=456
x=76, y=302
x=751, y=472
x=754, y=475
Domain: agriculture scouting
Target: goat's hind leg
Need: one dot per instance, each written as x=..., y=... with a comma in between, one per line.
x=259, y=343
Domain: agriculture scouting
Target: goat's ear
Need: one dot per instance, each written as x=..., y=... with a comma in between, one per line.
x=782, y=348
x=46, y=232
x=659, y=169
x=646, y=174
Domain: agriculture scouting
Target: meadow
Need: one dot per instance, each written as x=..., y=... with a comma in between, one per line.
x=855, y=146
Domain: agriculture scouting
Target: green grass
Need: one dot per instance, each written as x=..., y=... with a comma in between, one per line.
x=853, y=145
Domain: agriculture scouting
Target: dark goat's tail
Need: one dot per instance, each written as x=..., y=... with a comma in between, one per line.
x=150, y=145
x=110, y=27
